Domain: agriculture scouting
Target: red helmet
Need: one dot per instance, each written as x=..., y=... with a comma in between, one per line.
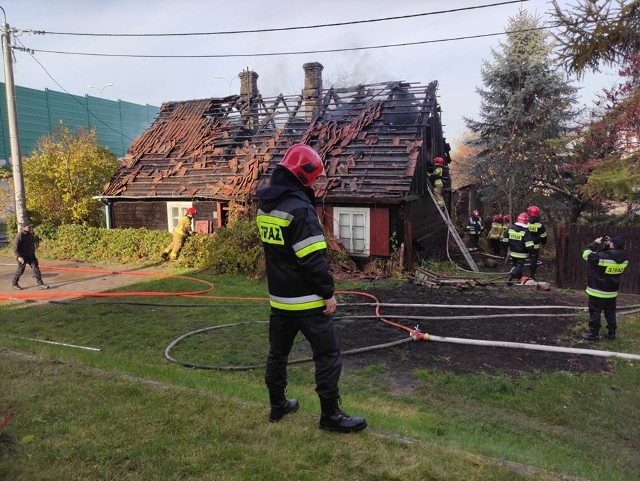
x=475, y=212
x=533, y=210
x=303, y=162
x=439, y=161
x=523, y=218
x=191, y=211
x=506, y=217
x=496, y=218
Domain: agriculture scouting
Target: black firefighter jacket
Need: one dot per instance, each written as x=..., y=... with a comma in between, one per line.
x=298, y=274
x=605, y=269
x=520, y=241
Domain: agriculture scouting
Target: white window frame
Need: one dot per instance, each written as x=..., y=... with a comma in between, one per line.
x=342, y=212
x=172, y=220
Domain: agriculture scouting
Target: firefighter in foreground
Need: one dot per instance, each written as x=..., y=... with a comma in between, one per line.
x=180, y=233
x=607, y=261
x=520, y=245
x=539, y=236
x=301, y=288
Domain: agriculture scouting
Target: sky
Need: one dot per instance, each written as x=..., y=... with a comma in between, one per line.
x=455, y=64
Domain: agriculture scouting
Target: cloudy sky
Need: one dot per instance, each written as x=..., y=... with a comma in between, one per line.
x=441, y=53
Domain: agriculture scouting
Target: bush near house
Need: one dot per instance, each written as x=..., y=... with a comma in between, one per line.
x=233, y=250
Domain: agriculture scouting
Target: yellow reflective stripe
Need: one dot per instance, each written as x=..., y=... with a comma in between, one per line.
x=528, y=244
x=612, y=267
x=309, y=245
x=296, y=303
x=312, y=248
x=518, y=255
x=585, y=253
x=275, y=217
x=601, y=294
x=178, y=231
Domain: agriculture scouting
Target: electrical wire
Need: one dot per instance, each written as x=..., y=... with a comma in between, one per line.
x=278, y=29
x=276, y=54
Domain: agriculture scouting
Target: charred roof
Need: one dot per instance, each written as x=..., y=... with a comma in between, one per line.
x=372, y=138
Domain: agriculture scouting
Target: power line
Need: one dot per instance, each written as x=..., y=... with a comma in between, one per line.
x=272, y=54
x=279, y=29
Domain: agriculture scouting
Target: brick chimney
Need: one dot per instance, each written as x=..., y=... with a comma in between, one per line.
x=312, y=87
x=248, y=83
x=248, y=90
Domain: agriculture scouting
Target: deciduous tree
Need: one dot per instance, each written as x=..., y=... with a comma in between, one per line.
x=63, y=174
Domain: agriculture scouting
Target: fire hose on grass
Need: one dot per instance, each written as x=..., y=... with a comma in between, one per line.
x=414, y=333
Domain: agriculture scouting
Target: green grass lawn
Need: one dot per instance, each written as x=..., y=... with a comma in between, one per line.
x=126, y=413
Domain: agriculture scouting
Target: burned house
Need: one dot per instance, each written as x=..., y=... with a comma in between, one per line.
x=377, y=141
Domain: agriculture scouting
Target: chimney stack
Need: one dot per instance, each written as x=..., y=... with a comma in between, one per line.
x=312, y=87
x=249, y=89
x=248, y=83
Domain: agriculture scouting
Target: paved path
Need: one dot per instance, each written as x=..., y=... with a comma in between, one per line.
x=68, y=277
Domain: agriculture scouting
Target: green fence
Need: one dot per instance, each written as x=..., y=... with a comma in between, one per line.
x=117, y=123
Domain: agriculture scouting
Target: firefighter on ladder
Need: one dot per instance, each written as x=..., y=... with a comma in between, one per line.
x=180, y=233
x=436, y=179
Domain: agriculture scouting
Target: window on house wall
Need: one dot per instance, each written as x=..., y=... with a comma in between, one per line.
x=351, y=226
x=175, y=212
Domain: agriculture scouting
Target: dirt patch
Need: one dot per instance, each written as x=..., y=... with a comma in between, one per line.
x=403, y=359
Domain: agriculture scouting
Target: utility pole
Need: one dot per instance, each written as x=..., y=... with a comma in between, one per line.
x=12, y=114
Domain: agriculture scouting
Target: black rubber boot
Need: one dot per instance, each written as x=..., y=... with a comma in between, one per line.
x=611, y=335
x=333, y=419
x=281, y=406
x=590, y=336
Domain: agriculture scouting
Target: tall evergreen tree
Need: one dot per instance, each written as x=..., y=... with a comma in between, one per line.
x=525, y=106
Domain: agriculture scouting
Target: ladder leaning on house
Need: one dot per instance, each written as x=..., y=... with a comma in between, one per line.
x=452, y=230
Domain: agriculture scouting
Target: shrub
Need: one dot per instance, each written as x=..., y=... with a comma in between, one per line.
x=232, y=250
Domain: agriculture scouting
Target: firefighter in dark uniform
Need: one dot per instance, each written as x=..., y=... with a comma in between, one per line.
x=539, y=235
x=520, y=245
x=607, y=261
x=474, y=228
x=506, y=223
x=301, y=288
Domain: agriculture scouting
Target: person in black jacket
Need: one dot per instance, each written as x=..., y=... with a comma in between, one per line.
x=474, y=228
x=24, y=248
x=539, y=236
x=301, y=288
x=607, y=261
x=520, y=245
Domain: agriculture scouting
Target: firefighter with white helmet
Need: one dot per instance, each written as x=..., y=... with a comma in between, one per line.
x=180, y=233
x=301, y=288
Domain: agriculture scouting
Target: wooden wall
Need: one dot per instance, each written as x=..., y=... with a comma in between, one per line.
x=152, y=214
x=571, y=268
